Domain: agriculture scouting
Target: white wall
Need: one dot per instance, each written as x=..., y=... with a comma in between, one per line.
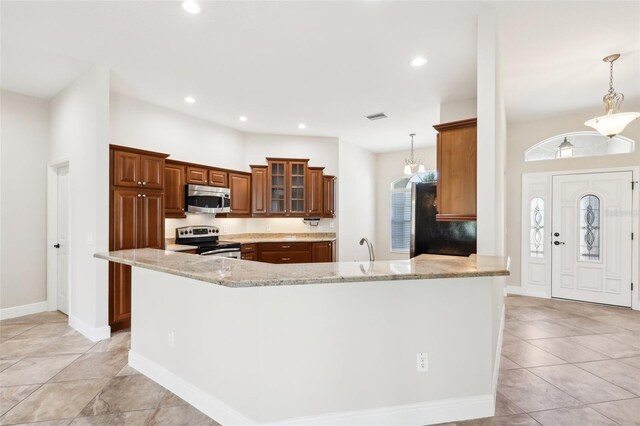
x=356, y=201
x=523, y=135
x=24, y=137
x=139, y=124
x=79, y=129
x=458, y=110
x=389, y=167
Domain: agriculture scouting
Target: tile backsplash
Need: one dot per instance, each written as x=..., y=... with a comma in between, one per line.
x=252, y=225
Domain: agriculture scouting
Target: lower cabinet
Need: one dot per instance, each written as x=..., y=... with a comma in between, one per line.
x=295, y=252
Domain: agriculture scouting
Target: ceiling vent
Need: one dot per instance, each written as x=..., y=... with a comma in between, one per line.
x=378, y=116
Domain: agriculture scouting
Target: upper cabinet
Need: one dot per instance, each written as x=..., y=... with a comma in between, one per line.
x=198, y=175
x=457, y=165
x=316, y=191
x=218, y=178
x=287, y=191
x=329, y=196
x=259, y=176
x=174, y=179
x=240, y=189
x=133, y=168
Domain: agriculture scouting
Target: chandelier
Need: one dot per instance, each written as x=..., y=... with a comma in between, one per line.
x=613, y=122
x=411, y=165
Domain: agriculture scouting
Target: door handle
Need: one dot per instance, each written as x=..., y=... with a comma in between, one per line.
x=56, y=246
x=557, y=243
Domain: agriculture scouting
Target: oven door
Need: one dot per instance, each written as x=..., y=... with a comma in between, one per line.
x=233, y=253
x=207, y=199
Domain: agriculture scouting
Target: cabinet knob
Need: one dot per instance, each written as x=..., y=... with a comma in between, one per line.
x=139, y=195
x=144, y=183
x=183, y=209
x=144, y=195
x=139, y=183
x=286, y=247
x=286, y=258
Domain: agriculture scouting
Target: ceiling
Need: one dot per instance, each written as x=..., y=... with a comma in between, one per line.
x=327, y=64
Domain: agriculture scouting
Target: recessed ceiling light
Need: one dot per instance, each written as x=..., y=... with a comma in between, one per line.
x=243, y=118
x=418, y=61
x=190, y=99
x=302, y=126
x=191, y=7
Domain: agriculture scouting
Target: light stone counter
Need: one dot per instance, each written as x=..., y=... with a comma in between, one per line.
x=241, y=273
x=179, y=247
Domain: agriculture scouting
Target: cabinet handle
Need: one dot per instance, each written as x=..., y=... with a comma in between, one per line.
x=139, y=183
x=182, y=209
x=144, y=195
x=139, y=195
x=286, y=258
x=144, y=183
x=285, y=247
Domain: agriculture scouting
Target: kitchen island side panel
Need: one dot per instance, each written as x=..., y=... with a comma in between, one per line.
x=277, y=353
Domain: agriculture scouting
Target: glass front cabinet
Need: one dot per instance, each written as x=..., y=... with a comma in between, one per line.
x=287, y=186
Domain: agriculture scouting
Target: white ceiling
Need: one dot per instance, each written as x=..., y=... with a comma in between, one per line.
x=327, y=64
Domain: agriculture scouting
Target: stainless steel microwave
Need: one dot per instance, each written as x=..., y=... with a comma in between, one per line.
x=207, y=199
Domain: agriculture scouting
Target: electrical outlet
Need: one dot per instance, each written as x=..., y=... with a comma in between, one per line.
x=422, y=359
x=268, y=228
x=171, y=339
x=331, y=225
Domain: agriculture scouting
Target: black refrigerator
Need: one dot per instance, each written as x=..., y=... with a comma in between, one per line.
x=437, y=237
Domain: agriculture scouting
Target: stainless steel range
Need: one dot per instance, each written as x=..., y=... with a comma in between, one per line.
x=206, y=239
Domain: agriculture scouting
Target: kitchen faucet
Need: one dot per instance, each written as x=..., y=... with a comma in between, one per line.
x=372, y=256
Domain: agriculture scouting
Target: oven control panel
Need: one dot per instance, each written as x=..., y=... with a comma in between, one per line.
x=196, y=231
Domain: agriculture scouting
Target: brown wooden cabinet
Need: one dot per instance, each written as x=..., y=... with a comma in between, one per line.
x=315, y=195
x=322, y=252
x=287, y=187
x=240, y=189
x=259, y=176
x=218, y=178
x=249, y=251
x=174, y=181
x=136, y=219
x=329, y=196
x=197, y=175
x=457, y=165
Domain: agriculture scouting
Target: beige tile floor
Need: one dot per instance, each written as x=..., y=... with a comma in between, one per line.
x=563, y=363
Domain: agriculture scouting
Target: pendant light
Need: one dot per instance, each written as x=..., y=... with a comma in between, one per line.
x=411, y=164
x=613, y=122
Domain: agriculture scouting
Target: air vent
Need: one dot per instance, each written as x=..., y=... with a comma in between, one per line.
x=378, y=116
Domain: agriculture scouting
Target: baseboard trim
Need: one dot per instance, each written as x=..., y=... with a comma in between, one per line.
x=94, y=334
x=519, y=291
x=22, y=310
x=200, y=399
x=429, y=412
x=496, y=360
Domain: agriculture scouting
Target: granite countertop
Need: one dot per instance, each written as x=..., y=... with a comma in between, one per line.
x=178, y=247
x=244, y=273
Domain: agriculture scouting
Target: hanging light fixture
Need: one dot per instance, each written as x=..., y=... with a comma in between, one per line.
x=411, y=164
x=613, y=122
x=565, y=149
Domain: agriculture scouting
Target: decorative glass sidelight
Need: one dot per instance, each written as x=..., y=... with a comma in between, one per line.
x=536, y=233
x=590, y=228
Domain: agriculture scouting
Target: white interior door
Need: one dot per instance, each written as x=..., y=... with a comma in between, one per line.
x=592, y=240
x=62, y=244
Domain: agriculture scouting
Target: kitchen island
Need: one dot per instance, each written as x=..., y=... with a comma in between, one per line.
x=328, y=343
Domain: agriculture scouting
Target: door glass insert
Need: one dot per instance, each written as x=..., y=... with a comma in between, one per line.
x=536, y=233
x=277, y=188
x=590, y=228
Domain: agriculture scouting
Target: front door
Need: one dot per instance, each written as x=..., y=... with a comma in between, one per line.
x=591, y=237
x=62, y=240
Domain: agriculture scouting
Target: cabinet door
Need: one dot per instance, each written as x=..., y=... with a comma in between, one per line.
x=316, y=191
x=174, y=177
x=457, y=164
x=125, y=219
x=119, y=296
x=197, y=175
x=259, y=190
x=322, y=252
x=151, y=219
x=297, y=187
x=218, y=178
x=240, y=188
x=277, y=193
x=152, y=171
x=329, y=199
x=126, y=169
